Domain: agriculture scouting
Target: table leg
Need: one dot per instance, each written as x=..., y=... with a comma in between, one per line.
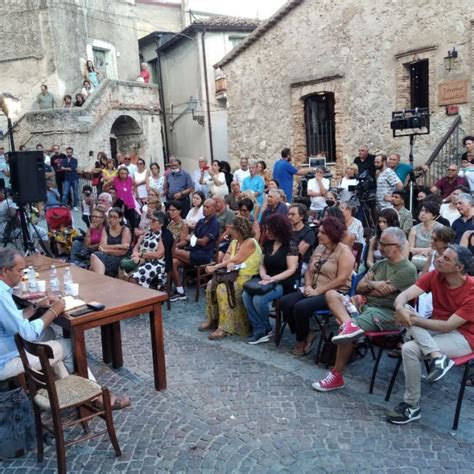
x=106, y=337
x=79, y=351
x=116, y=339
x=158, y=348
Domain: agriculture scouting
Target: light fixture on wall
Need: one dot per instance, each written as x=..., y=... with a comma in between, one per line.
x=450, y=59
x=192, y=106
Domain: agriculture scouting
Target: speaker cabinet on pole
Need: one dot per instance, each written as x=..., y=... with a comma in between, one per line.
x=27, y=176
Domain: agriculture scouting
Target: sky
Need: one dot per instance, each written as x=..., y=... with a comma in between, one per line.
x=248, y=8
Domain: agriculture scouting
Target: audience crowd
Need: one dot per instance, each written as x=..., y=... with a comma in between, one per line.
x=264, y=248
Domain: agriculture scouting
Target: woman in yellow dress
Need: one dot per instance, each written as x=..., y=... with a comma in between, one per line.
x=243, y=249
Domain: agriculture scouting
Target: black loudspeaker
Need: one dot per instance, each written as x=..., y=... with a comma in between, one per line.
x=27, y=176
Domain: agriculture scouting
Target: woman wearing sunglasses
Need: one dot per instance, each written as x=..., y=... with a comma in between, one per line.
x=330, y=268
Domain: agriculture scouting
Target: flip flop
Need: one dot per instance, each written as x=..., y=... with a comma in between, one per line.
x=217, y=334
x=116, y=403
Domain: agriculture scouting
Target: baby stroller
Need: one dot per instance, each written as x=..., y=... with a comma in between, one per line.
x=60, y=230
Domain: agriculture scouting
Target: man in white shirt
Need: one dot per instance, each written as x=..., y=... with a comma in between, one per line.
x=196, y=176
x=243, y=172
x=132, y=168
x=317, y=190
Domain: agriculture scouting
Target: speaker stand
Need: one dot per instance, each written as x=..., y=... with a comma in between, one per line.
x=28, y=244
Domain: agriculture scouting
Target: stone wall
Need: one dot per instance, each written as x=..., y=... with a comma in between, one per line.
x=361, y=51
x=48, y=42
x=89, y=128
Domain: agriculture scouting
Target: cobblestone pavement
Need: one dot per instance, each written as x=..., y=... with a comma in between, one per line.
x=231, y=407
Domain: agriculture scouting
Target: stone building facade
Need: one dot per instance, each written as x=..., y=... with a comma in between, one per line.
x=48, y=42
x=365, y=59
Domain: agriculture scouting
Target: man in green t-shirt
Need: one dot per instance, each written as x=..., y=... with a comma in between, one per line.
x=380, y=286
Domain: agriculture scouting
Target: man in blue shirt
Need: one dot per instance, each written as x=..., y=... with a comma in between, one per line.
x=283, y=172
x=13, y=320
x=402, y=170
x=179, y=186
x=466, y=221
x=202, y=247
x=71, y=178
x=254, y=183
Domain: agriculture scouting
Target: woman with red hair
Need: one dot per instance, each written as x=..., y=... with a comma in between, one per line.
x=330, y=268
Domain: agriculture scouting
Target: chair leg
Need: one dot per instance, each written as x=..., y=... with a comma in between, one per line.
x=198, y=284
x=168, y=290
x=322, y=338
x=457, y=413
x=39, y=433
x=376, y=368
x=392, y=380
x=110, y=423
x=60, y=449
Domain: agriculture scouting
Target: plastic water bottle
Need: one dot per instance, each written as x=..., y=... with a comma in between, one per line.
x=31, y=279
x=351, y=308
x=54, y=281
x=67, y=281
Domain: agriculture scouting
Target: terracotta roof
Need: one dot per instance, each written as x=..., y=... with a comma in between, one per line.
x=260, y=31
x=212, y=23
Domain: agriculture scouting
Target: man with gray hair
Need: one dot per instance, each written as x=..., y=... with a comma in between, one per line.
x=449, y=332
x=465, y=221
x=13, y=320
x=105, y=201
x=274, y=205
x=378, y=290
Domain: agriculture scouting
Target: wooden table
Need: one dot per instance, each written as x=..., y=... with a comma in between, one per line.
x=122, y=300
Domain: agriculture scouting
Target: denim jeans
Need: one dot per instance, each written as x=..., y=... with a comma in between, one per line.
x=257, y=307
x=68, y=186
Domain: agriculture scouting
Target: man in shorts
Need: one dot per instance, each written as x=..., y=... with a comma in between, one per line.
x=376, y=294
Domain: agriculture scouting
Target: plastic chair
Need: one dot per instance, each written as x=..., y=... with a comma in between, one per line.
x=467, y=361
x=54, y=397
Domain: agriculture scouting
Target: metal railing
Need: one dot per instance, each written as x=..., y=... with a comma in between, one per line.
x=445, y=153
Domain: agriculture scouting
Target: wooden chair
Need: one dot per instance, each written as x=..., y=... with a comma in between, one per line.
x=54, y=397
x=467, y=361
x=202, y=277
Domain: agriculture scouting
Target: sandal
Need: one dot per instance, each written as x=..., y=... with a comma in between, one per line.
x=218, y=334
x=310, y=338
x=116, y=403
x=298, y=350
x=207, y=326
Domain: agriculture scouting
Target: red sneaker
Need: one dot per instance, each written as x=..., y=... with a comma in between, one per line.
x=348, y=332
x=332, y=381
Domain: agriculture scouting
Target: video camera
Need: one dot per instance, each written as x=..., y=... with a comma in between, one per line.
x=364, y=190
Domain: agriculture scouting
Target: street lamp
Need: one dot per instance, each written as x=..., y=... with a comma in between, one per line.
x=192, y=106
x=450, y=59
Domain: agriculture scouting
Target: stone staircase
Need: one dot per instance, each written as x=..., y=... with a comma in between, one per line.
x=126, y=111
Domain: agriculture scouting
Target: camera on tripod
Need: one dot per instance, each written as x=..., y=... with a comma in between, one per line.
x=364, y=190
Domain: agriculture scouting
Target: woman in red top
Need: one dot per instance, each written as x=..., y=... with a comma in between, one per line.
x=123, y=184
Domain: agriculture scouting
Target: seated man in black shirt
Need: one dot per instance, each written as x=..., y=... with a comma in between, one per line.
x=303, y=235
x=202, y=249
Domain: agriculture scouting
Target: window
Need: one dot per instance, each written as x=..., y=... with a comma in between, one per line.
x=419, y=84
x=320, y=125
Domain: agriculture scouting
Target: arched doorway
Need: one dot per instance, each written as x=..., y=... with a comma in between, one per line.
x=125, y=135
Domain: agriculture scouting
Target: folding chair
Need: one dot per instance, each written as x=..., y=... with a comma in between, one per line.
x=467, y=361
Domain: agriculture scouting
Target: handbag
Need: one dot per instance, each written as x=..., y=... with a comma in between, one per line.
x=128, y=265
x=221, y=275
x=254, y=287
x=17, y=426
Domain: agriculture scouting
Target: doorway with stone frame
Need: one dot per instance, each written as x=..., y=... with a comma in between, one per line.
x=317, y=123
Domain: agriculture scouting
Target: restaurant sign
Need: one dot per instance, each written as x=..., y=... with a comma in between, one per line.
x=453, y=92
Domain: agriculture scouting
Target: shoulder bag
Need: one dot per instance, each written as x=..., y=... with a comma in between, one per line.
x=253, y=287
x=221, y=275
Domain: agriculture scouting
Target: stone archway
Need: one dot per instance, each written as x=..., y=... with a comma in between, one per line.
x=127, y=134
